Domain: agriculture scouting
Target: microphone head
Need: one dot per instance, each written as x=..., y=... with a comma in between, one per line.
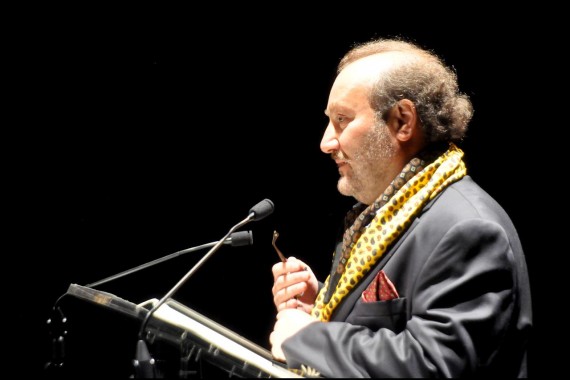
x=237, y=239
x=262, y=209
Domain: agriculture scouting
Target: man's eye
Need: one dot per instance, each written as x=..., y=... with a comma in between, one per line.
x=340, y=118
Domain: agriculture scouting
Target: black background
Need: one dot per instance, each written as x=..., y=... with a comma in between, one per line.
x=136, y=134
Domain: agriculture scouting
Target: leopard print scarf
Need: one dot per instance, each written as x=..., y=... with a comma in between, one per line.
x=376, y=227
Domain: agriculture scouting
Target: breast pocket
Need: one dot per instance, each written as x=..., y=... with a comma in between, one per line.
x=380, y=314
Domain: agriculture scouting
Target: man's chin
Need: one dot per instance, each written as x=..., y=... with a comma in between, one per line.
x=344, y=188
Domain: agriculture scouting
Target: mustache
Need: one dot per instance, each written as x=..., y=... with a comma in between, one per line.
x=339, y=156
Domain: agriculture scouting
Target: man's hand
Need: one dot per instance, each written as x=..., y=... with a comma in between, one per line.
x=295, y=285
x=289, y=322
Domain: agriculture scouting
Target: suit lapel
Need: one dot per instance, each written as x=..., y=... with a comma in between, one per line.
x=345, y=307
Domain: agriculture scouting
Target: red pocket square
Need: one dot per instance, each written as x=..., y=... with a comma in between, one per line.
x=381, y=289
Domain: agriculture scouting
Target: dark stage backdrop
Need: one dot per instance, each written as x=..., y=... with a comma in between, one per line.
x=137, y=139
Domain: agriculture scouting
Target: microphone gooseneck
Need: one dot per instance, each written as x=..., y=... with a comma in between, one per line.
x=236, y=239
x=257, y=212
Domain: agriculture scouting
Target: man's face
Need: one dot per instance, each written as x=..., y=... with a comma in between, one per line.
x=361, y=146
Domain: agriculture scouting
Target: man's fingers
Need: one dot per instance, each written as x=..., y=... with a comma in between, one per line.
x=291, y=303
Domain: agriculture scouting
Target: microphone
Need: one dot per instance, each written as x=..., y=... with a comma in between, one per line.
x=57, y=321
x=236, y=239
x=260, y=211
x=257, y=212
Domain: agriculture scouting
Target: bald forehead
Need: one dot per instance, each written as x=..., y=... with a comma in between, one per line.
x=367, y=69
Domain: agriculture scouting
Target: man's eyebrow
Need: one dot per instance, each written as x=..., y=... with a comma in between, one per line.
x=330, y=106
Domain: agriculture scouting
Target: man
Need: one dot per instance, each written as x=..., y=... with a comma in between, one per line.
x=429, y=278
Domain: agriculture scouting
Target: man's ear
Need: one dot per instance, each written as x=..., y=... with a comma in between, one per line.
x=404, y=120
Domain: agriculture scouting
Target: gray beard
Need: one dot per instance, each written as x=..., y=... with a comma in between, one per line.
x=368, y=166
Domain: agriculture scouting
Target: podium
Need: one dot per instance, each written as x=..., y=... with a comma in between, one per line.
x=196, y=336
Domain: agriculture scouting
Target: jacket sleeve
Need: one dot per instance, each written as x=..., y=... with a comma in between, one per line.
x=459, y=310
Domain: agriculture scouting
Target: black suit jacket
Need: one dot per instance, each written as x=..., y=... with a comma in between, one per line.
x=464, y=307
